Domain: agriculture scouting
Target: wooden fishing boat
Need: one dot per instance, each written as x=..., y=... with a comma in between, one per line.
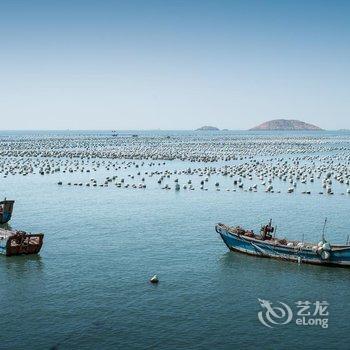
x=20, y=242
x=267, y=246
x=6, y=208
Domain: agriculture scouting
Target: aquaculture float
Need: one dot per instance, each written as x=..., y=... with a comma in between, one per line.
x=20, y=242
x=6, y=208
x=266, y=245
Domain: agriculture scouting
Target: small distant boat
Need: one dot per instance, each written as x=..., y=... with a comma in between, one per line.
x=6, y=208
x=265, y=245
x=20, y=242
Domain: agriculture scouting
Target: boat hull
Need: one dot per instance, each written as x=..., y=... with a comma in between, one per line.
x=19, y=243
x=338, y=256
x=6, y=211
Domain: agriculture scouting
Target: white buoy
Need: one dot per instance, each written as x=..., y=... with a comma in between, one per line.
x=154, y=279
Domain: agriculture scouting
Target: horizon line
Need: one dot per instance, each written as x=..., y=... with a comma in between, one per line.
x=158, y=129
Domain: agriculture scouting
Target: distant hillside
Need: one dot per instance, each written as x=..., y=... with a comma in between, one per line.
x=286, y=124
x=206, y=127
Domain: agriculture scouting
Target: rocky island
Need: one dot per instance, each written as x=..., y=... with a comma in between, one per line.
x=286, y=124
x=208, y=128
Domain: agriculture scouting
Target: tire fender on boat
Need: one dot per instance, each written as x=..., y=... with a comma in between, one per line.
x=325, y=255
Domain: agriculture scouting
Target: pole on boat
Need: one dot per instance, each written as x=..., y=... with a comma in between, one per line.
x=347, y=240
x=324, y=228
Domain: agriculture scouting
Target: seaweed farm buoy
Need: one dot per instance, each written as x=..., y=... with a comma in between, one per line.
x=154, y=279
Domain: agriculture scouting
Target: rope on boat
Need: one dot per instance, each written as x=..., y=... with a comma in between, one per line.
x=270, y=248
x=258, y=248
x=261, y=250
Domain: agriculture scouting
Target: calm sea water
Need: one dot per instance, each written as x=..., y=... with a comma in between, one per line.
x=89, y=289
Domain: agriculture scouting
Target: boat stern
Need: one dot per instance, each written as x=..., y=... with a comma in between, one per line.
x=23, y=243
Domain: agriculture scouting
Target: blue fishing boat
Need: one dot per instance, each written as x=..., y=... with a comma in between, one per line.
x=6, y=208
x=266, y=245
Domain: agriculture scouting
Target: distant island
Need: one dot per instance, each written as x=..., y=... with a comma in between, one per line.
x=286, y=124
x=208, y=128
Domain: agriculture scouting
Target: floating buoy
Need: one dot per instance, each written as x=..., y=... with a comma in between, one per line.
x=154, y=279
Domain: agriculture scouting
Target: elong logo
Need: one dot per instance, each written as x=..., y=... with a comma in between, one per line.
x=282, y=314
x=274, y=315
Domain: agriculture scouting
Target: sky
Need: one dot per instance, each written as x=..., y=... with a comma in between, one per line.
x=171, y=65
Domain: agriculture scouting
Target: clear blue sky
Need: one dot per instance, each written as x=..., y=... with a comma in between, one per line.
x=173, y=64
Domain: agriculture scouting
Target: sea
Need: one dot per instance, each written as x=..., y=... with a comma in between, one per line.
x=89, y=286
